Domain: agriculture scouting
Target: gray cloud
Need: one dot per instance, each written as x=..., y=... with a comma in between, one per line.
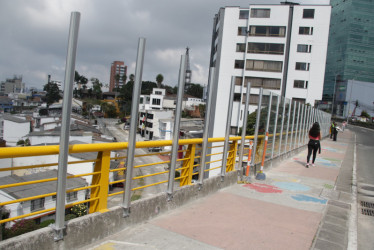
x=34, y=36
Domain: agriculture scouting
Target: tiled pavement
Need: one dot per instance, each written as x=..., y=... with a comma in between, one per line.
x=294, y=208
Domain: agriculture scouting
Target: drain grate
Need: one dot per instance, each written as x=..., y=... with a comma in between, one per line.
x=367, y=204
x=367, y=211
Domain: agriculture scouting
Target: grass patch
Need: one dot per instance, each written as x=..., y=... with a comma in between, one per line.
x=328, y=186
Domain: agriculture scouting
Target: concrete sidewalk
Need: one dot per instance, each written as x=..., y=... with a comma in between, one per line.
x=294, y=208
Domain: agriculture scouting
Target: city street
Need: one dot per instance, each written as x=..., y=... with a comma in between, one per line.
x=111, y=128
x=365, y=179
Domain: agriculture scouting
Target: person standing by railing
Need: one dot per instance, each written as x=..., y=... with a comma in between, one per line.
x=314, y=143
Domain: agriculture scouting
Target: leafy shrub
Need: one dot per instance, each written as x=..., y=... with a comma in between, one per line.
x=46, y=223
x=20, y=227
x=79, y=210
x=70, y=217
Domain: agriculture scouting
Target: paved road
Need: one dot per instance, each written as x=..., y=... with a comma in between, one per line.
x=365, y=177
x=116, y=130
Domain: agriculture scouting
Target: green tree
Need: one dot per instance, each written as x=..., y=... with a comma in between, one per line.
x=364, y=113
x=96, y=88
x=109, y=110
x=147, y=87
x=195, y=90
x=159, y=79
x=53, y=93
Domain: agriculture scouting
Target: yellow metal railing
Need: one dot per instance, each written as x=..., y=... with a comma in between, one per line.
x=98, y=189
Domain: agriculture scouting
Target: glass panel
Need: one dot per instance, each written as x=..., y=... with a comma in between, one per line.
x=272, y=136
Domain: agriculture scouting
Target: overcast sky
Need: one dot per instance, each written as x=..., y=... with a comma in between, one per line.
x=34, y=36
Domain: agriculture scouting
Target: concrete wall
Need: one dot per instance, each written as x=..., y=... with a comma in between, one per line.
x=90, y=228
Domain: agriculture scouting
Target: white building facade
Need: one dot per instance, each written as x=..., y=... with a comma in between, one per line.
x=277, y=47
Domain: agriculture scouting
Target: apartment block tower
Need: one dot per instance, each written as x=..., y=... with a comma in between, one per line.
x=350, y=54
x=117, y=71
x=281, y=48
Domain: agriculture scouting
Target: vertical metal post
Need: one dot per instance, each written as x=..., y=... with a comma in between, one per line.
x=177, y=118
x=275, y=128
x=307, y=125
x=132, y=133
x=301, y=123
x=281, y=132
x=288, y=125
x=206, y=127
x=297, y=125
x=258, y=115
x=65, y=125
x=293, y=125
x=244, y=129
x=228, y=125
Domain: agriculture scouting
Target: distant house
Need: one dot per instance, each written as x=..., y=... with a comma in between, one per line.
x=25, y=191
x=6, y=104
x=15, y=128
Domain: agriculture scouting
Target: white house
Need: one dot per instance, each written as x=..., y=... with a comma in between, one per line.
x=15, y=128
x=19, y=192
x=281, y=48
x=149, y=122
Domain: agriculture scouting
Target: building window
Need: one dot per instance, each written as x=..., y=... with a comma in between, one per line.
x=238, y=80
x=239, y=64
x=302, y=66
x=156, y=101
x=298, y=100
x=308, y=13
x=266, y=83
x=72, y=196
x=150, y=116
x=260, y=13
x=305, y=30
x=37, y=204
x=243, y=14
x=265, y=48
x=158, y=92
x=149, y=124
x=240, y=47
x=304, y=48
x=300, y=84
x=242, y=31
x=275, y=31
x=260, y=65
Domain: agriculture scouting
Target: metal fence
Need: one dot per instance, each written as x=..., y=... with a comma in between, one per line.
x=281, y=126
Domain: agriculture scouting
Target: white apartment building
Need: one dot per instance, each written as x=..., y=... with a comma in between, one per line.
x=278, y=47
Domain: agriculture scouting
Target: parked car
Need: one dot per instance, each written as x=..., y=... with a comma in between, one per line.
x=126, y=127
x=154, y=149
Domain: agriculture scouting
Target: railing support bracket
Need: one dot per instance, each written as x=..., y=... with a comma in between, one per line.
x=126, y=211
x=59, y=232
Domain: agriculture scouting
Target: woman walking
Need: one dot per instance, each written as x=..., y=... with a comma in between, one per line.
x=314, y=144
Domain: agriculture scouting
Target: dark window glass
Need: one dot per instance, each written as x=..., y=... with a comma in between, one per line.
x=308, y=13
x=242, y=31
x=298, y=84
x=260, y=13
x=302, y=66
x=37, y=204
x=243, y=14
x=260, y=65
x=239, y=64
x=306, y=30
x=240, y=47
x=265, y=48
x=304, y=48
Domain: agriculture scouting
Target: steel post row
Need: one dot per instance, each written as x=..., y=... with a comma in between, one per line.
x=65, y=126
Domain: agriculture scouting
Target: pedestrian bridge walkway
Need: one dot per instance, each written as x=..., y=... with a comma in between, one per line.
x=285, y=211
